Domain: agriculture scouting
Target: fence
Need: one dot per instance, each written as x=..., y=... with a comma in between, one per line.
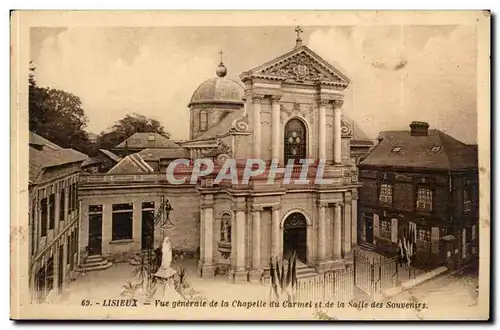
x=375, y=274
x=332, y=286
x=370, y=274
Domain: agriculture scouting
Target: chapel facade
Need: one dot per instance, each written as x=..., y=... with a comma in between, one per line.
x=287, y=109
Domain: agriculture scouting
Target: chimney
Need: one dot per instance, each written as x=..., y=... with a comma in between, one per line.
x=419, y=128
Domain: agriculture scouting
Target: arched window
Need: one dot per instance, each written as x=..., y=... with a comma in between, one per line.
x=203, y=120
x=295, y=140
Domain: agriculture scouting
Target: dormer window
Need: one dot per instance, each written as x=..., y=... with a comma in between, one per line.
x=396, y=149
x=151, y=138
x=435, y=148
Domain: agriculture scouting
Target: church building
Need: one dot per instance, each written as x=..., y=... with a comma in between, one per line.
x=287, y=109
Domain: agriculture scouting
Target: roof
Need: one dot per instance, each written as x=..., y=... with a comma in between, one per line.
x=222, y=127
x=154, y=154
x=91, y=161
x=437, y=150
x=218, y=90
x=110, y=155
x=131, y=164
x=357, y=133
x=44, y=154
x=147, y=140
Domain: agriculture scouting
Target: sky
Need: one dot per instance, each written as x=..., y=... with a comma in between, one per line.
x=398, y=73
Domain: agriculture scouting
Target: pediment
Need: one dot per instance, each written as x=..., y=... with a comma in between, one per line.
x=301, y=66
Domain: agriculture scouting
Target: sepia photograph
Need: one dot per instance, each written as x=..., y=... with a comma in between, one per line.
x=314, y=165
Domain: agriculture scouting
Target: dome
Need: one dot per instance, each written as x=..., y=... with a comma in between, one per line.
x=218, y=90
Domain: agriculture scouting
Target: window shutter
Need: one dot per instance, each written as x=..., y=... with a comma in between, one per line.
x=464, y=243
x=435, y=239
x=376, y=225
x=474, y=243
x=394, y=230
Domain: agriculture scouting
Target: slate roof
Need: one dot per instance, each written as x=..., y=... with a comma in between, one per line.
x=111, y=155
x=417, y=151
x=44, y=154
x=357, y=133
x=131, y=164
x=155, y=154
x=91, y=161
x=141, y=141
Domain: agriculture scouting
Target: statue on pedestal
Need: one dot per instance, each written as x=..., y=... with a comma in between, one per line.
x=166, y=273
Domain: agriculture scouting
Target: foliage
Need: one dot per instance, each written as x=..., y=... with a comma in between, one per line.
x=130, y=289
x=320, y=315
x=407, y=248
x=127, y=126
x=151, y=289
x=58, y=116
x=283, y=283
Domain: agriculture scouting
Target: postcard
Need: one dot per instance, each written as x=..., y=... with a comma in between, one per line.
x=250, y=165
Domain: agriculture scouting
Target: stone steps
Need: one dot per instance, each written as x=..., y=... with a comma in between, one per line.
x=366, y=246
x=93, y=263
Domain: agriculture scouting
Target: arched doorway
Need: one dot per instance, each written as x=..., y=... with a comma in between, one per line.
x=295, y=140
x=295, y=236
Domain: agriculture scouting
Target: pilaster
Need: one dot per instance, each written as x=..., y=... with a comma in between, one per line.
x=322, y=104
x=337, y=231
x=257, y=129
x=275, y=118
x=337, y=127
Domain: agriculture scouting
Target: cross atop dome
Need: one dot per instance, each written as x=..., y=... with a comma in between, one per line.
x=299, y=32
x=221, y=52
x=221, y=69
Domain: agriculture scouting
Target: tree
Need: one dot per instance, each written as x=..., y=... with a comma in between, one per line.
x=58, y=116
x=125, y=127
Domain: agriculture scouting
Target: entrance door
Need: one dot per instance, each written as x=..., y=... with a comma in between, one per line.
x=147, y=231
x=295, y=236
x=95, y=234
x=369, y=229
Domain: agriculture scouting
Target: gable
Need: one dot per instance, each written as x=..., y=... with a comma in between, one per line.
x=131, y=164
x=301, y=65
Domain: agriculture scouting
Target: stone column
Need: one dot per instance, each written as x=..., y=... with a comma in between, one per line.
x=337, y=232
x=321, y=235
x=66, y=203
x=257, y=135
x=322, y=129
x=201, y=262
x=256, y=264
x=57, y=210
x=347, y=228
x=56, y=272
x=275, y=135
x=208, y=269
x=275, y=232
x=337, y=127
x=35, y=226
x=354, y=221
x=240, y=271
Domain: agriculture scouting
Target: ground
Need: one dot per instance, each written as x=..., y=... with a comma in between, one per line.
x=108, y=284
x=452, y=294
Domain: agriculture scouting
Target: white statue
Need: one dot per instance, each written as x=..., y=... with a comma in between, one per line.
x=166, y=271
x=166, y=259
